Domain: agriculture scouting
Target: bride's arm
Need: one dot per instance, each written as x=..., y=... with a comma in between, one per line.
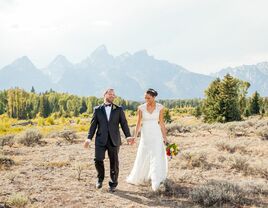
x=138, y=124
x=162, y=125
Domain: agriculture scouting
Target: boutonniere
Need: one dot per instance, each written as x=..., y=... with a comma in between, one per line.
x=113, y=107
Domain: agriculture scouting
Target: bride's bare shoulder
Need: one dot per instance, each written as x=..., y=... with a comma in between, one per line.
x=159, y=106
x=142, y=106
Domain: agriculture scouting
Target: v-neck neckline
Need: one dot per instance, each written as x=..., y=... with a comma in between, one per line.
x=148, y=111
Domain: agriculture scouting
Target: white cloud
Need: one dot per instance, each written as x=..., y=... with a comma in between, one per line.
x=202, y=36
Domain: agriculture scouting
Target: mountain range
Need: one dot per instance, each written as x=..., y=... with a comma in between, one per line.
x=129, y=74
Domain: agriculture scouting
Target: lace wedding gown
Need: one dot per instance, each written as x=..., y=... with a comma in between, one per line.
x=151, y=160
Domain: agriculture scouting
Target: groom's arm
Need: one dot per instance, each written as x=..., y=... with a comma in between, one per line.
x=93, y=125
x=124, y=124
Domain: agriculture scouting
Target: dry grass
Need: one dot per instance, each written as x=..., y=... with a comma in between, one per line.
x=11, y=176
x=263, y=132
x=240, y=164
x=195, y=160
x=18, y=200
x=55, y=164
x=213, y=168
x=231, y=147
x=68, y=134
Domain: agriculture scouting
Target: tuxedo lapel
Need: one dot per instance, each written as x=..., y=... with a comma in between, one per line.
x=112, y=111
x=104, y=112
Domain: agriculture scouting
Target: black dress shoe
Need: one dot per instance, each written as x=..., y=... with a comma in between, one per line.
x=98, y=185
x=111, y=189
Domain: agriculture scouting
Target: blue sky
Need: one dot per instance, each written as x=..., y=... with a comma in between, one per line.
x=200, y=35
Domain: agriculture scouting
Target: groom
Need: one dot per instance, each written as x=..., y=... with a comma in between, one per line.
x=106, y=119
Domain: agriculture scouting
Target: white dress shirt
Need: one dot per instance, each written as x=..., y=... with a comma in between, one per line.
x=108, y=111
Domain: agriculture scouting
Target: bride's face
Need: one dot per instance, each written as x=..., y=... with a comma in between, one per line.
x=148, y=98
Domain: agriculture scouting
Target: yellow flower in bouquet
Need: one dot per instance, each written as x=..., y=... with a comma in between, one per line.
x=172, y=150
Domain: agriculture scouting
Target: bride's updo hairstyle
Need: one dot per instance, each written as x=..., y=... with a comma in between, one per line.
x=151, y=92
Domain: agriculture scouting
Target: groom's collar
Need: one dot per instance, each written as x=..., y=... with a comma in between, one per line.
x=107, y=104
x=114, y=106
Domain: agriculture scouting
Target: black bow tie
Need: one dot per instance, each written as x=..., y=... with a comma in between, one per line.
x=106, y=105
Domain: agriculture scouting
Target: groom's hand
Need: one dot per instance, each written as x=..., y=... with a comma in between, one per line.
x=86, y=143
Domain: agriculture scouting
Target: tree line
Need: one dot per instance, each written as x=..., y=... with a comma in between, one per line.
x=20, y=104
x=225, y=100
x=181, y=103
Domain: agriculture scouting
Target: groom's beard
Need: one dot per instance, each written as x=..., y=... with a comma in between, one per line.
x=109, y=100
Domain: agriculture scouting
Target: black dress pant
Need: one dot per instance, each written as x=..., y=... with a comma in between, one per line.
x=114, y=162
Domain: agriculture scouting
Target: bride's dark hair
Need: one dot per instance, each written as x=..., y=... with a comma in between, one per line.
x=151, y=92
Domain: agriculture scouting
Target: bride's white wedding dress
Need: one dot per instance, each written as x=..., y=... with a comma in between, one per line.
x=151, y=160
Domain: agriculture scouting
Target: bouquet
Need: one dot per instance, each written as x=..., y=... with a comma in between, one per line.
x=172, y=149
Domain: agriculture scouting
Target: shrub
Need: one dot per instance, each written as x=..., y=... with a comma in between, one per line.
x=240, y=164
x=56, y=164
x=196, y=160
x=50, y=121
x=263, y=132
x=30, y=137
x=7, y=140
x=18, y=200
x=217, y=193
x=68, y=135
x=6, y=163
x=237, y=129
x=174, y=128
x=172, y=188
x=231, y=148
x=40, y=121
x=79, y=169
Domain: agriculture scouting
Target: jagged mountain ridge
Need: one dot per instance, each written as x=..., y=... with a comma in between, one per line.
x=129, y=74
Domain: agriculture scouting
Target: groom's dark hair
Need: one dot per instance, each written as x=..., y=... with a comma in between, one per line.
x=152, y=92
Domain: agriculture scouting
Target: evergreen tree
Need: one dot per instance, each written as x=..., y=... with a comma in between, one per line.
x=41, y=106
x=221, y=103
x=32, y=90
x=167, y=116
x=243, y=88
x=254, y=105
x=247, y=112
x=83, y=108
x=3, y=102
x=212, y=105
x=197, y=112
x=229, y=92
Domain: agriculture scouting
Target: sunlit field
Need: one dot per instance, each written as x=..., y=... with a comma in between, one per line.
x=43, y=164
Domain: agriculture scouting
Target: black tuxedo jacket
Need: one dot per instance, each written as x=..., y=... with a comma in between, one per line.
x=105, y=128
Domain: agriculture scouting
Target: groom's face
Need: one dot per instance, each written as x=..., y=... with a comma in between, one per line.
x=109, y=96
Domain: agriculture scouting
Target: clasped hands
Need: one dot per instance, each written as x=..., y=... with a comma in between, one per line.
x=130, y=140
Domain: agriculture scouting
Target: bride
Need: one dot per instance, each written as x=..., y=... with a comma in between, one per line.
x=151, y=159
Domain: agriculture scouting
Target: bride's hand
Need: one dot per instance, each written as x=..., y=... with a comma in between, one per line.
x=165, y=141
